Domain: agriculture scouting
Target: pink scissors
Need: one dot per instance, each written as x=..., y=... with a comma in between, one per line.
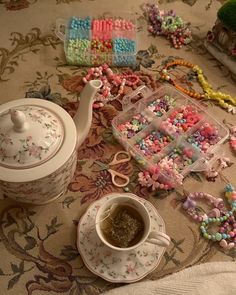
x=115, y=174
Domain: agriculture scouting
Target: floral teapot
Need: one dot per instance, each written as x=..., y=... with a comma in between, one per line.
x=38, y=146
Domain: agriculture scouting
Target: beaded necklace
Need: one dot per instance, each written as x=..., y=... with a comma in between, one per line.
x=221, y=98
x=112, y=84
x=226, y=234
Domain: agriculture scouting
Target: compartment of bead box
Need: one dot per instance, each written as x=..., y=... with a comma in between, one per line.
x=182, y=118
x=92, y=41
x=206, y=135
x=183, y=155
x=151, y=141
x=169, y=145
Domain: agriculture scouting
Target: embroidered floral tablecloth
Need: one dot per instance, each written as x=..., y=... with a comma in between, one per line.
x=38, y=243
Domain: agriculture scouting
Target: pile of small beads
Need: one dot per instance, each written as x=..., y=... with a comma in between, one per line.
x=102, y=29
x=204, y=137
x=112, y=84
x=182, y=157
x=181, y=120
x=167, y=24
x=101, y=46
x=153, y=143
x=79, y=26
x=133, y=126
x=96, y=41
x=123, y=45
x=164, y=176
x=123, y=25
x=161, y=105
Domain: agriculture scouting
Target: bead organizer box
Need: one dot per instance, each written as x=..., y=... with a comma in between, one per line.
x=167, y=128
x=92, y=41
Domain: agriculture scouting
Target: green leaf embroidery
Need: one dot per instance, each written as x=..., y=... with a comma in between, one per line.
x=14, y=268
x=21, y=267
x=54, y=221
x=152, y=49
x=52, y=228
x=68, y=201
x=108, y=137
x=31, y=243
x=13, y=281
x=177, y=244
x=69, y=252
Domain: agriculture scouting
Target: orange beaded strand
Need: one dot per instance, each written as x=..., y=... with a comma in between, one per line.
x=165, y=76
x=219, y=97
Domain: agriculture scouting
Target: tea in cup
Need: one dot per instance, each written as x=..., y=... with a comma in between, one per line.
x=123, y=223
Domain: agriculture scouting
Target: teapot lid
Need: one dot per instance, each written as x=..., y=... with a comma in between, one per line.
x=29, y=136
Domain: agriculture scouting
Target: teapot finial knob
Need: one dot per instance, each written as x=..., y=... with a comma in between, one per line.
x=19, y=121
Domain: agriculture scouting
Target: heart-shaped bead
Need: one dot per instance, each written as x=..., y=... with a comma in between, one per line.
x=204, y=217
x=189, y=203
x=214, y=213
x=219, y=203
x=230, y=246
x=223, y=244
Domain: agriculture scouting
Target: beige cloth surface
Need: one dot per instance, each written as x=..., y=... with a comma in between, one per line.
x=38, y=244
x=213, y=278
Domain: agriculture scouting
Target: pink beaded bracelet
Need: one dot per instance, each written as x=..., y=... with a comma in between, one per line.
x=190, y=206
x=110, y=81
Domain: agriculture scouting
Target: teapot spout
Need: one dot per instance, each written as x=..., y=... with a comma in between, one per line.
x=83, y=116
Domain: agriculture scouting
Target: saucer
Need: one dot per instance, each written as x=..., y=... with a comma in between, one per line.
x=111, y=265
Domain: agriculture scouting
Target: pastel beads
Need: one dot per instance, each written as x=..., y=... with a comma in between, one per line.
x=153, y=143
x=123, y=45
x=79, y=45
x=101, y=40
x=122, y=60
x=181, y=120
x=133, y=126
x=167, y=23
x=122, y=25
x=182, y=157
x=102, y=29
x=161, y=106
x=80, y=23
x=101, y=46
x=204, y=137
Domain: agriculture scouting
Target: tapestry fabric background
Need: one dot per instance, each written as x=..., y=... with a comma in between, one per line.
x=38, y=243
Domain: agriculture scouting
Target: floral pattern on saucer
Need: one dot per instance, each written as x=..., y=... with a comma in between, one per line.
x=113, y=266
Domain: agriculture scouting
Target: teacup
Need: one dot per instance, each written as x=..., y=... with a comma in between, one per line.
x=148, y=235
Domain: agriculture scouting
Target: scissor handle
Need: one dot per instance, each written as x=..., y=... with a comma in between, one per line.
x=115, y=174
x=119, y=161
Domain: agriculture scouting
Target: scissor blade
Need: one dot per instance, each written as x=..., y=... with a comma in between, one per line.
x=102, y=165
